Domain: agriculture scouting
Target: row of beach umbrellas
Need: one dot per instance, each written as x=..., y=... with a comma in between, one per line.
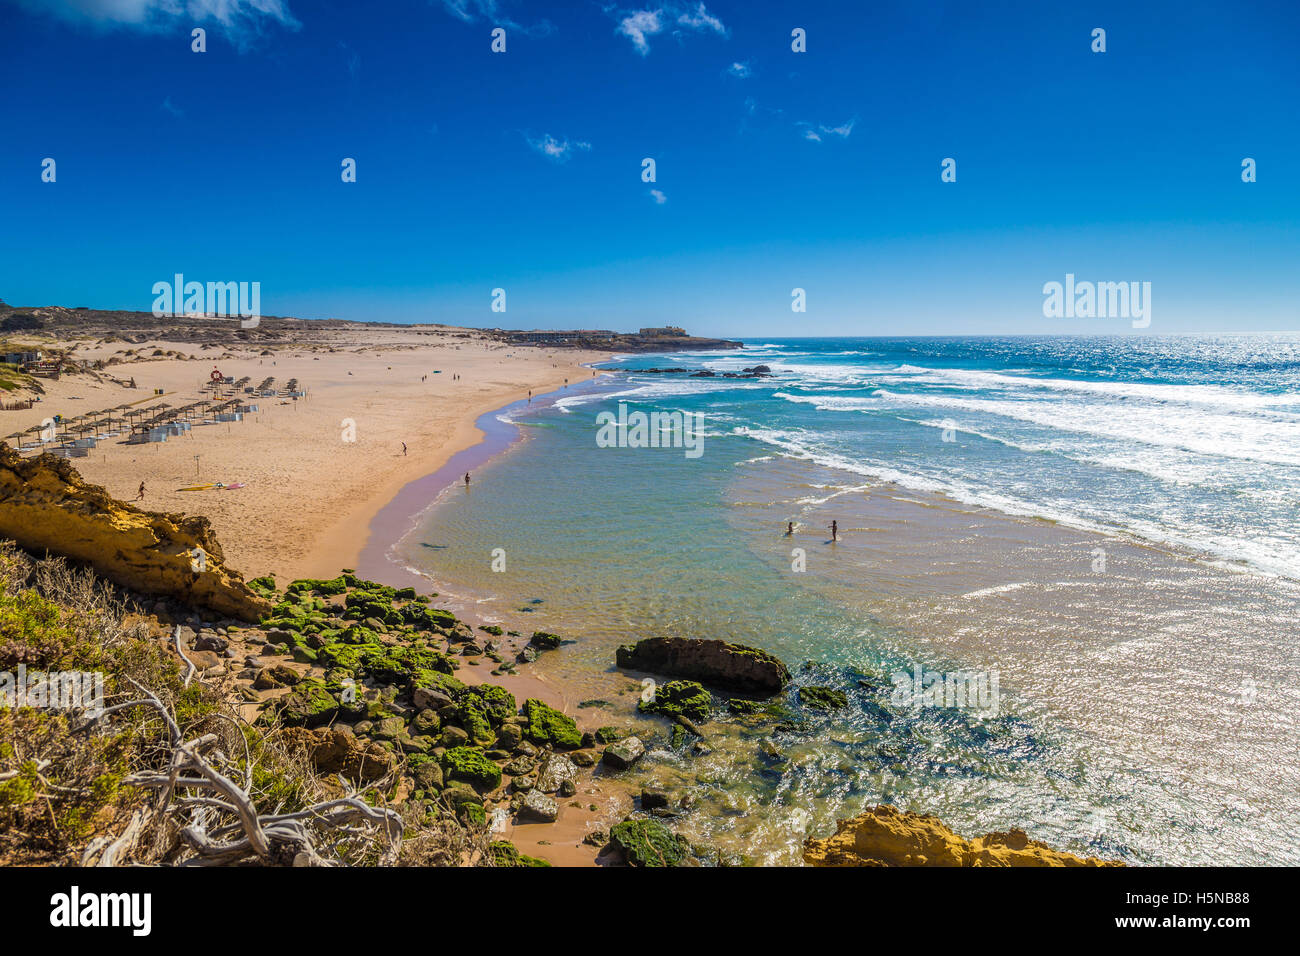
x=136, y=418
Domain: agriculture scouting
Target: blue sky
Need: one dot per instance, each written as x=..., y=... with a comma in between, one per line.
x=775, y=169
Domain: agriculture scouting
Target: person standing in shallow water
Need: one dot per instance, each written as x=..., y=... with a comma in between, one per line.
x=835, y=531
x=789, y=529
x=467, y=479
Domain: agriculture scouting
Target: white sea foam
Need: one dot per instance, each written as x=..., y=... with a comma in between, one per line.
x=1251, y=437
x=1210, y=395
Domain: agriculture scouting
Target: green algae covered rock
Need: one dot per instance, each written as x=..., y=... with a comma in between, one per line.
x=543, y=640
x=546, y=725
x=471, y=765
x=608, y=735
x=498, y=704
x=472, y=715
x=505, y=853
x=308, y=705
x=648, y=843
x=823, y=698
x=683, y=698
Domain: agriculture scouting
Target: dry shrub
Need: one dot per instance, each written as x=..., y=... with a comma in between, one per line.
x=74, y=790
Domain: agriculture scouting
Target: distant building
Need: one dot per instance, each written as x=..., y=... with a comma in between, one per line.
x=23, y=358
x=664, y=330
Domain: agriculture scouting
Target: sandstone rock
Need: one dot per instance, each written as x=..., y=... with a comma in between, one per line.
x=539, y=807
x=454, y=737
x=509, y=736
x=265, y=680
x=204, y=659
x=519, y=766
x=554, y=772
x=335, y=751
x=732, y=667
x=887, y=836
x=46, y=506
x=211, y=642
x=427, y=697
x=624, y=754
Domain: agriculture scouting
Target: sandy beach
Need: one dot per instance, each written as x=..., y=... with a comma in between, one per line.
x=309, y=492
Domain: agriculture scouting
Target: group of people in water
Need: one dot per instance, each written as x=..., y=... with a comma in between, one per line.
x=835, y=529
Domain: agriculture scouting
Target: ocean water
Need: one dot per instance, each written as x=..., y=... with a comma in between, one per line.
x=1107, y=529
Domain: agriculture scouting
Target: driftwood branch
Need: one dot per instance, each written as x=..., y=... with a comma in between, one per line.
x=180, y=649
x=218, y=818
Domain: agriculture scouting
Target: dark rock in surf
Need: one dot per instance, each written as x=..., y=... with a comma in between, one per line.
x=731, y=667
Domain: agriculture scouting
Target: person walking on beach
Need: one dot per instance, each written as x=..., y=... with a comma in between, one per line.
x=835, y=531
x=140, y=496
x=467, y=479
x=403, y=449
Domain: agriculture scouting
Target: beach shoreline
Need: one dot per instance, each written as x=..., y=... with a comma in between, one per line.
x=399, y=515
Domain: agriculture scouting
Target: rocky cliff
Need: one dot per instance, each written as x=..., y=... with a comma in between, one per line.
x=887, y=836
x=45, y=506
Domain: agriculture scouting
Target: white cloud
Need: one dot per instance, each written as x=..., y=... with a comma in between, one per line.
x=815, y=134
x=558, y=150
x=158, y=14
x=659, y=197
x=471, y=11
x=740, y=70
x=842, y=131
x=701, y=19
x=467, y=10
x=640, y=25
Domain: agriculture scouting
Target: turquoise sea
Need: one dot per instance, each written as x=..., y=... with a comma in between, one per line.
x=1107, y=527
